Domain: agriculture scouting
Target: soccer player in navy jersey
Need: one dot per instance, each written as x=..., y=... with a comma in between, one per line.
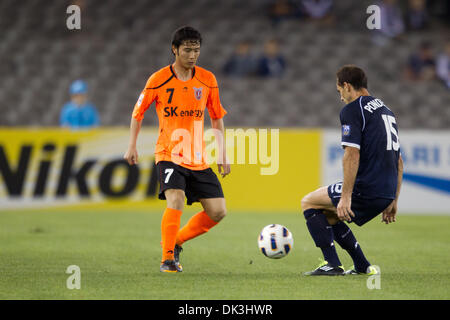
x=372, y=176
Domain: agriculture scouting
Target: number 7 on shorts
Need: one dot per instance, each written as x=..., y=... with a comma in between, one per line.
x=169, y=172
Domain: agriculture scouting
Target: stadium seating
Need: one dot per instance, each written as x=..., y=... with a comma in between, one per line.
x=122, y=42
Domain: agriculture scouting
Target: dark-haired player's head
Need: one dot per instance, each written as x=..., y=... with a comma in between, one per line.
x=351, y=82
x=186, y=42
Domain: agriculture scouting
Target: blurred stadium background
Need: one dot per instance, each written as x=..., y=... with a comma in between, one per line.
x=121, y=43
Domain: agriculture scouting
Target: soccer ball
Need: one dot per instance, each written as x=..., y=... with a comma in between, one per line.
x=275, y=241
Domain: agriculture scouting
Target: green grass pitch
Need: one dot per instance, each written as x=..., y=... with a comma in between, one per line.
x=119, y=252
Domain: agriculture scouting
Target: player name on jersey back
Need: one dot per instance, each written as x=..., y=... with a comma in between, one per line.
x=373, y=105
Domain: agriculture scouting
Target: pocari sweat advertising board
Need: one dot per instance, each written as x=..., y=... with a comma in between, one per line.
x=426, y=177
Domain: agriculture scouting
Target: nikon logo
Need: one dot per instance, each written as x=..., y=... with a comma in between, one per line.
x=14, y=174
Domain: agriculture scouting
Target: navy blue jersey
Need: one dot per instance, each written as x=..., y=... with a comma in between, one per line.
x=370, y=126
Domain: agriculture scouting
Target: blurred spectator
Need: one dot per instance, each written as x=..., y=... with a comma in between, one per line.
x=242, y=62
x=417, y=15
x=318, y=10
x=421, y=64
x=272, y=62
x=443, y=65
x=392, y=24
x=78, y=113
x=279, y=10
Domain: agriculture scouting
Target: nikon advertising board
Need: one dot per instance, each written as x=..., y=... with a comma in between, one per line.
x=41, y=168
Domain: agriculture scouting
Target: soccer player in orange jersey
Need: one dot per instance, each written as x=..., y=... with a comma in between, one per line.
x=181, y=93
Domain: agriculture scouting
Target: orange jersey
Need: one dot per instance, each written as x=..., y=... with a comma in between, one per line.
x=180, y=106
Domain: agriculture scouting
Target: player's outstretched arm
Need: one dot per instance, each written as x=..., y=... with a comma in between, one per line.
x=350, y=163
x=223, y=165
x=390, y=212
x=131, y=155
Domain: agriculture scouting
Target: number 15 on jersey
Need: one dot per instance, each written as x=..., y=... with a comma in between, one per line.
x=391, y=133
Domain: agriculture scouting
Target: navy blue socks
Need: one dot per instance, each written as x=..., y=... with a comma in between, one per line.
x=344, y=236
x=322, y=234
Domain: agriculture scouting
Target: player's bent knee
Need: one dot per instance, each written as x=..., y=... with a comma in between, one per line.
x=214, y=208
x=317, y=199
x=217, y=214
x=306, y=202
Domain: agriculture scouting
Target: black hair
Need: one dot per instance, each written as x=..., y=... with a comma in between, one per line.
x=185, y=33
x=352, y=75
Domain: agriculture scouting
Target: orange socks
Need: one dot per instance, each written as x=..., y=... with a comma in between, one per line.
x=170, y=225
x=197, y=225
x=171, y=235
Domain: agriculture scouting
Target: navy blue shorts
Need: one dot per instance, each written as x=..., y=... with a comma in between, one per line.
x=364, y=209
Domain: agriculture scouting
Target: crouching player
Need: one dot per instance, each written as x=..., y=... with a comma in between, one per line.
x=372, y=176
